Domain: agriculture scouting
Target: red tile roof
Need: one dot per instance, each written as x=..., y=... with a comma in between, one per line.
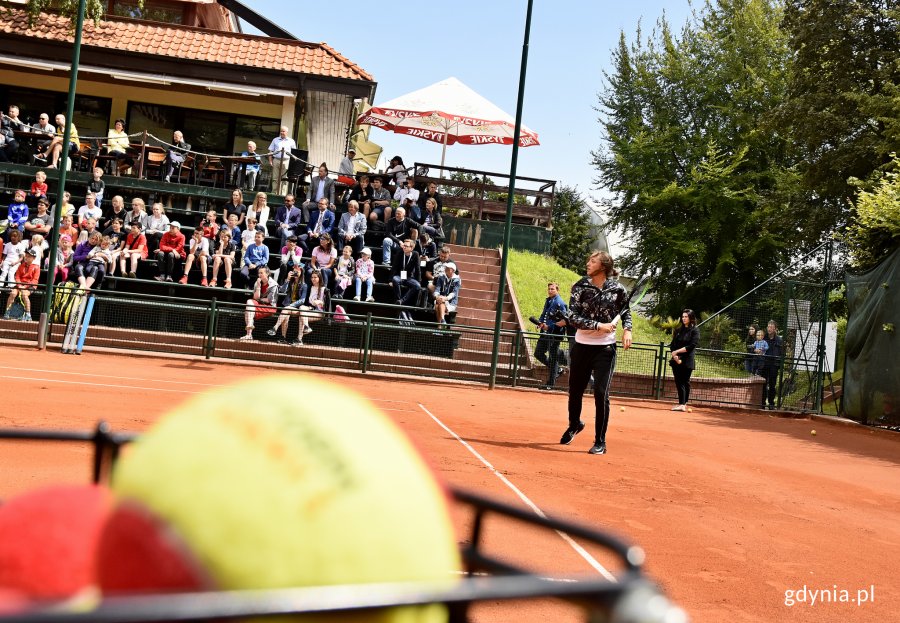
x=317, y=59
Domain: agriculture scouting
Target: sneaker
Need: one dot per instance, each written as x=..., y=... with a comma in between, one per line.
x=355, y=298
x=212, y=284
x=246, y=338
x=204, y=282
x=307, y=329
x=168, y=178
x=26, y=317
x=570, y=433
x=370, y=299
x=561, y=370
x=679, y=408
x=132, y=275
x=271, y=332
x=160, y=277
x=281, y=339
x=183, y=279
x=598, y=448
x=297, y=343
x=7, y=317
x=169, y=279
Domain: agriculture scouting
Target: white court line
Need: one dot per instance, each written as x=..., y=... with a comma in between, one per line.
x=537, y=511
x=92, y=384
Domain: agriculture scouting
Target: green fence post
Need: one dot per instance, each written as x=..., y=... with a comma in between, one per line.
x=366, y=337
x=515, y=361
x=660, y=369
x=210, y=327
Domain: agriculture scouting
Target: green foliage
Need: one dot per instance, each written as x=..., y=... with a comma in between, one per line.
x=94, y=9
x=700, y=179
x=875, y=229
x=572, y=240
x=717, y=329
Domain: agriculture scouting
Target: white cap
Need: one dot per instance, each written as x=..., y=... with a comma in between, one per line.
x=366, y=251
x=175, y=224
x=450, y=265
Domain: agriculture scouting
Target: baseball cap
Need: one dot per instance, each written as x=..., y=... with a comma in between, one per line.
x=366, y=251
x=351, y=151
x=31, y=252
x=450, y=265
x=175, y=224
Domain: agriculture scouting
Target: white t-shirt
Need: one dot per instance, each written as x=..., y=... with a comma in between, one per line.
x=85, y=212
x=12, y=253
x=595, y=338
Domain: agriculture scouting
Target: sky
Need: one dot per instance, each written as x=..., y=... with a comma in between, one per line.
x=480, y=43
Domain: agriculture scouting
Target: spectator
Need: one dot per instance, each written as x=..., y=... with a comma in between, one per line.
x=427, y=249
x=352, y=229
x=175, y=155
x=235, y=206
x=321, y=222
x=280, y=159
x=430, y=220
x=293, y=295
x=99, y=260
x=80, y=258
x=432, y=272
x=552, y=325
x=233, y=229
x=27, y=275
x=90, y=225
x=63, y=259
x=67, y=229
x=116, y=244
x=196, y=250
x=39, y=186
x=362, y=194
x=365, y=271
x=90, y=209
x=381, y=201
x=67, y=208
x=12, y=256
x=408, y=197
x=97, y=186
x=346, y=167
x=321, y=187
x=37, y=243
x=432, y=193
x=155, y=225
x=322, y=259
x=260, y=211
x=255, y=257
x=135, y=250
x=262, y=305
x=291, y=257
x=170, y=253
x=17, y=213
x=772, y=363
x=405, y=275
x=116, y=211
x=41, y=145
x=344, y=274
x=684, y=340
x=446, y=293
x=56, y=145
x=209, y=229
x=287, y=219
x=117, y=144
x=40, y=222
x=397, y=172
x=748, y=345
x=317, y=301
x=399, y=229
x=139, y=212
x=249, y=234
x=760, y=346
x=224, y=255
x=251, y=171
x=8, y=128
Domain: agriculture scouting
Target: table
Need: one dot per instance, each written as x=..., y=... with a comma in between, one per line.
x=32, y=138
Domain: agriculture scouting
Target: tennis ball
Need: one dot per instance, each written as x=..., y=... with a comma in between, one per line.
x=690, y=410
x=48, y=540
x=278, y=481
x=813, y=433
x=621, y=408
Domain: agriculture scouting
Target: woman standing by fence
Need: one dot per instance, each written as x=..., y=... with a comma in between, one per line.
x=684, y=341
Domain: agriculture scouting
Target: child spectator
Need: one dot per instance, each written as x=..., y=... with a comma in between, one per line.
x=27, y=275
x=225, y=252
x=67, y=229
x=155, y=225
x=170, y=253
x=293, y=295
x=317, y=300
x=12, y=256
x=18, y=213
x=39, y=186
x=40, y=223
x=256, y=256
x=67, y=208
x=89, y=227
x=760, y=346
x=63, y=259
x=210, y=229
x=291, y=256
x=196, y=250
x=365, y=271
x=39, y=246
x=233, y=228
x=262, y=305
x=346, y=267
x=116, y=243
x=97, y=186
x=248, y=236
x=135, y=249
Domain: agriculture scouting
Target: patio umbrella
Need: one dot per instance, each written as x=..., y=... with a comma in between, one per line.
x=447, y=112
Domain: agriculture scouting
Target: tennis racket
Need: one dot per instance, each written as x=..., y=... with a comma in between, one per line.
x=642, y=285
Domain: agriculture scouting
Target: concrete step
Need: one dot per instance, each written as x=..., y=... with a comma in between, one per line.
x=473, y=251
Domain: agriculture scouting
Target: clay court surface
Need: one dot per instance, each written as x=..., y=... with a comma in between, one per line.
x=733, y=508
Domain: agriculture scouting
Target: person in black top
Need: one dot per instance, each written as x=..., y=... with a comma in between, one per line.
x=405, y=273
x=749, y=341
x=771, y=364
x=684, y=341
x=175, y=154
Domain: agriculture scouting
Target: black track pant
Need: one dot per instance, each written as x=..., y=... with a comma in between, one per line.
x=682, y=383
x=585, y=359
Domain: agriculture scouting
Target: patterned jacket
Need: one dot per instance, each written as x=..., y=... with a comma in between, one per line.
x=590, y=306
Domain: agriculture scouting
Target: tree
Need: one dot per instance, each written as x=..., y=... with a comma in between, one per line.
x=571, y=241
x=94, y=9
x=700, y=181
x=875, y=228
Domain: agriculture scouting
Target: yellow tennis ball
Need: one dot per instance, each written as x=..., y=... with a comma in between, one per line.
x=289, y=480
x=690, y=410
x=812, y=432
x=621, y=408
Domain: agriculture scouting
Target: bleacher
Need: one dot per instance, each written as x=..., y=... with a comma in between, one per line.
x=188, y=205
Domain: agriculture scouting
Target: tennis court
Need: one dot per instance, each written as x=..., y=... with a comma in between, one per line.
x=734, y=509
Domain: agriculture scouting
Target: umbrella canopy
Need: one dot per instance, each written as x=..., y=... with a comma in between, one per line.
x=447, y=112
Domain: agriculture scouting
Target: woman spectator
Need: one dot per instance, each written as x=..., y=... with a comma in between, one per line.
x=235, y=206
x=323, y=259
x=224, y=255
x=362, y=194
x=135, y=250
x=260, y=211
x=115, y=210
x=138, y=212
x=317, y=301
x=67, y=208
x=293, y=295
x=155, y=226
x=83, y=268
x=684, y=341
x=262, y=305
x=431, y=221
x=117, y=144
x=365, y=271
x=397, y=172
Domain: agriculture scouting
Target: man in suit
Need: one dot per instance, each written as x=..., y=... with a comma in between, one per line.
x=320, y=187
x=405, y=274
x=320, y=221
x=287, y=219
x=351, y=229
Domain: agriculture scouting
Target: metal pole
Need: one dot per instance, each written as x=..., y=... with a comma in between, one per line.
x=62, y=163
x=504, y=259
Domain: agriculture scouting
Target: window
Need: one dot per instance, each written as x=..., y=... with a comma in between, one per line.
x=91, y=116
x=152, y=11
